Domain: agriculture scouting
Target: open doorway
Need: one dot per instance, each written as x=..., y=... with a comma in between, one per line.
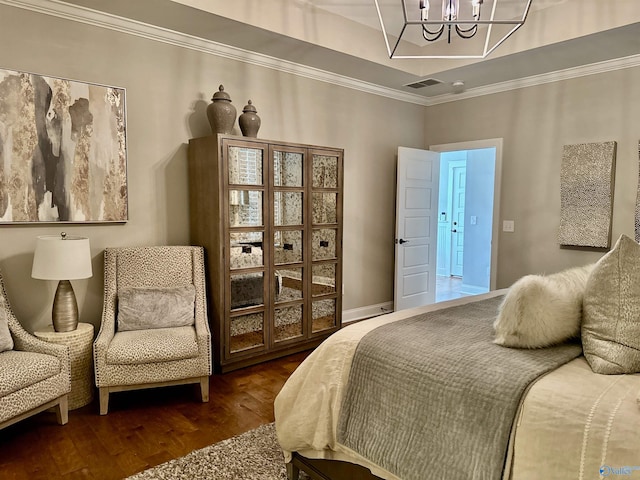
x=418, y=216
x=466, y=196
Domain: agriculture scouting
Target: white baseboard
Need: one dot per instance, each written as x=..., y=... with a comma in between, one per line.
x=369, y=311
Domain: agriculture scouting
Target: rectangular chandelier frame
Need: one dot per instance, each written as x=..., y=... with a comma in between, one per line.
x=488, y=47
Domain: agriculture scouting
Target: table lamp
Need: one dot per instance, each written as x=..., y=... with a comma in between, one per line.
x=62, y=257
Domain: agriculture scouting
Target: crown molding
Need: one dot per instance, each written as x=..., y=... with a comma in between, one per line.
x=567, y=74
x=95, y=18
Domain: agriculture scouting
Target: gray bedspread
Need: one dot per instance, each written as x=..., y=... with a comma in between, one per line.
x=431, y=397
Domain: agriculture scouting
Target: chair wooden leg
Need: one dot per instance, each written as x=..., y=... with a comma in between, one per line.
x=204, y=389
x=62, y=410
x=104, y=400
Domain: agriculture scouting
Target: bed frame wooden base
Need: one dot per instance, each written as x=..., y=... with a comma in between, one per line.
x=327, y=469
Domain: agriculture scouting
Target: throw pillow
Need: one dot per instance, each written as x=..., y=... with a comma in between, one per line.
x=6, y=340
x=611, y=324
x=539, y=311
x=154, y=307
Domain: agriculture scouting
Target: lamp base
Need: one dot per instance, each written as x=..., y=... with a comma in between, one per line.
x=65, y=308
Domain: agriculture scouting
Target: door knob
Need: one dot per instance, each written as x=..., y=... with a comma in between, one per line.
x=454, y=231
x=401, y=241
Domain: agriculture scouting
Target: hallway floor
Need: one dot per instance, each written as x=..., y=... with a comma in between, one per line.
x=448, y=288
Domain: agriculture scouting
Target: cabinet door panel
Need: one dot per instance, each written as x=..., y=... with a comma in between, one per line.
x=287, y=323
x=287, y=247
x=246, y=331
x=324, y=279
x=323, y=314
x=289, y=285
x=245, y=250
x=325, y=208
x=245, y=166
x=324, y=243
x=247, y=290
x=287, y=208
x=287, y=169
x=245, y=208
x=325, y=171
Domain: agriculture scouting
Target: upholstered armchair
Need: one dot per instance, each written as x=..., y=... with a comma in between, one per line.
x=154, y=328
x=34, y=375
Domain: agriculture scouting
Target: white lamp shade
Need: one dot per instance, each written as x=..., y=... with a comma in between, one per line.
x=58, y=258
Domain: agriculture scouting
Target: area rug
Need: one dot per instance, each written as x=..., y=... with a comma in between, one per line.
x=254, y=455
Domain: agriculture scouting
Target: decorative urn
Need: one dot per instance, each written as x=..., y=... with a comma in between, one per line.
x=220, y=112
x=249, y=121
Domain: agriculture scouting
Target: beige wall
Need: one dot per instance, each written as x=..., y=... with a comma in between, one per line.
x=535, y=123
x=168, y=89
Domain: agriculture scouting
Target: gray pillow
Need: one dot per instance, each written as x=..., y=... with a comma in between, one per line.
x=155, y=307
x=6, y=340
x=611, y=317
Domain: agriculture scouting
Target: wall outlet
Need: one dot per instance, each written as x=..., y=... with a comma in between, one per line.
x=508, y=226
x=474, y=220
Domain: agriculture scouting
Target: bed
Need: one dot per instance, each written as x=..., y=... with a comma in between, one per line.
x=567, y=422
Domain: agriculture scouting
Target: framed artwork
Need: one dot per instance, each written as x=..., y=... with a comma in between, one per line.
x=586, y=194
x=63, y=155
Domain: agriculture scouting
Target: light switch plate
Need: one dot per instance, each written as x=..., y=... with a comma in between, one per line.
x=508, y=226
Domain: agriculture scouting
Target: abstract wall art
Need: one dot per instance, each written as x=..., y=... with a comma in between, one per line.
x=586, y=194
x=62, y=150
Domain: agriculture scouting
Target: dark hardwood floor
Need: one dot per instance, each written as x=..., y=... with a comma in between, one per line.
x=143, y=428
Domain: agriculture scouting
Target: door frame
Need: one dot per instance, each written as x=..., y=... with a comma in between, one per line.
x=495, y=231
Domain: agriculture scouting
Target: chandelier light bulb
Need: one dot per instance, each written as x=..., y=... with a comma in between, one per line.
x=424, y=10
x=450, y=10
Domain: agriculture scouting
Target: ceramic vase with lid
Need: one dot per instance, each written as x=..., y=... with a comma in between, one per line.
x=249, y=121
x=220, y=112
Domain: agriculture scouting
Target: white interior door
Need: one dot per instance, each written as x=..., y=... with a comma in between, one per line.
x=458, y=179
x=416, y=227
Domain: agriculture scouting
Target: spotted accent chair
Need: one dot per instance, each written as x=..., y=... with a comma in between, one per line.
x=129, y=360
x=34, y=375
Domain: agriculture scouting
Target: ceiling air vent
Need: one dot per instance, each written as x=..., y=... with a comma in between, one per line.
x=427, y=82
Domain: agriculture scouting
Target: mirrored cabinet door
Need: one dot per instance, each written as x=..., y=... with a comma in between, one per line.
x=269, y=215
x=326, y=241
x=325, y=170
x=287, y=168
x=246, y=208
x=245, y=165
x=323, y=315
x=246, y=332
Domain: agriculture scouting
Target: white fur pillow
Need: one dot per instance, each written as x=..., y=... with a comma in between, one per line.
x=539, y=311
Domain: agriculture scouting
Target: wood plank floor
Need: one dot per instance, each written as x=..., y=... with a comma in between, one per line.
x=143, y=428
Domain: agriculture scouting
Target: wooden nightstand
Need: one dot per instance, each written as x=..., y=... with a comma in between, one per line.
x=80, y=343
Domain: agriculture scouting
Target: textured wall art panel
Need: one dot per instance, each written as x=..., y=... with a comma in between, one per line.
x=62, y=150
x=586, y=194
x=638, y=201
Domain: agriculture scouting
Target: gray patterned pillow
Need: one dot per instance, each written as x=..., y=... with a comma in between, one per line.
x=611, y=311
x=6, y=340
x=154, y=307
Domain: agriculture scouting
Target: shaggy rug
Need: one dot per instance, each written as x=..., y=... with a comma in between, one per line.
x=254, y=455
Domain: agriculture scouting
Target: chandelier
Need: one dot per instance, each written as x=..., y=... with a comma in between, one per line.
x=448, y=28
